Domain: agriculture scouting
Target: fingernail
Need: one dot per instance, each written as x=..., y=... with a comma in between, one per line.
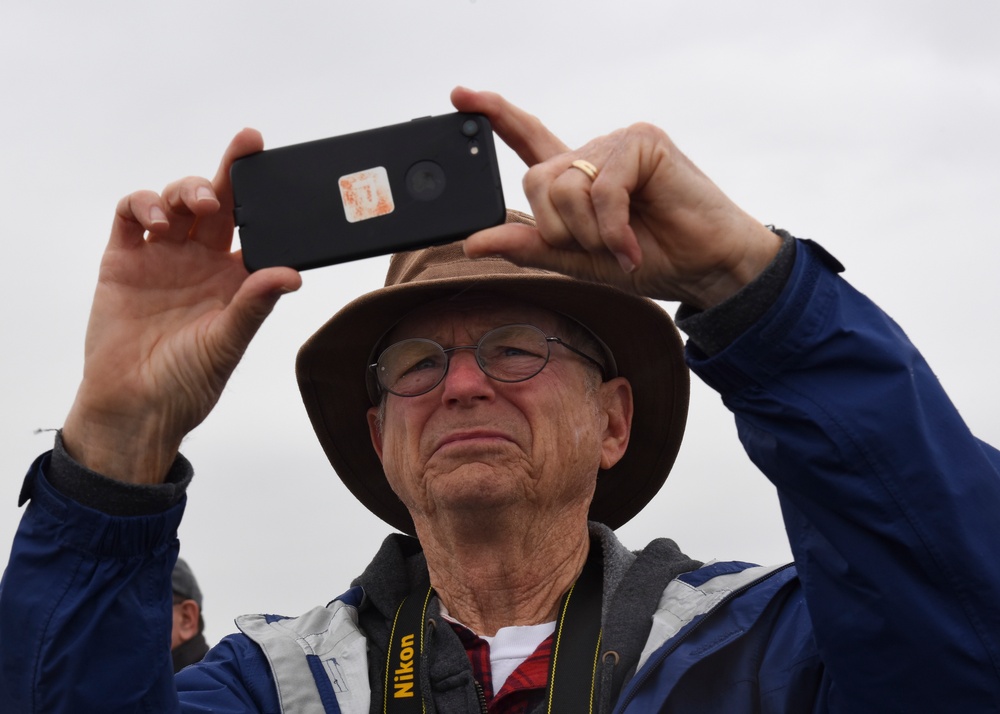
x=625, y=262
x=204, y=193
x=157, y=216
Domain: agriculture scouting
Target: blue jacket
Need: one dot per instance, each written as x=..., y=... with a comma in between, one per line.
x=891, y=505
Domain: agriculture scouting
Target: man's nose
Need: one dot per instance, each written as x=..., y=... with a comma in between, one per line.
x=465, y=379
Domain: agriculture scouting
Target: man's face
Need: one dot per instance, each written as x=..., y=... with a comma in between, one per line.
x=473, y=447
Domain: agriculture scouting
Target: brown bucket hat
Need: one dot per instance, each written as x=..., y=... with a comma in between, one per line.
x=332, y=365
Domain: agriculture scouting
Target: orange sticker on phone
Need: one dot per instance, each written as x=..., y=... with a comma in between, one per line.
x=366, y=194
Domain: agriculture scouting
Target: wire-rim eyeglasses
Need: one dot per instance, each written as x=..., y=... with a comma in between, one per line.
x=510, y=353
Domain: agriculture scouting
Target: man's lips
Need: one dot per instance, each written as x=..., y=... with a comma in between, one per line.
x=471, y=436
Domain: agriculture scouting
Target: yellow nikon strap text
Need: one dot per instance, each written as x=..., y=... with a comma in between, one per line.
x=402, y=671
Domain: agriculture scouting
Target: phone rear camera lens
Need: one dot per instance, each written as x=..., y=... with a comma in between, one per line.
x=425, y=180
x=470, y=127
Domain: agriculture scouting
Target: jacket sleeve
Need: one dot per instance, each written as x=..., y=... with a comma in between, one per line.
x=85, y=617
x=85, y=608
x=891, y=505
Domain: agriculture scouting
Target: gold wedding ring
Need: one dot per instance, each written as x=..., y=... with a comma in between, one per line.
x=587, y=168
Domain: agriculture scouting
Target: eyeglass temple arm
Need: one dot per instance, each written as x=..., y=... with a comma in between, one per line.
x=574, y=350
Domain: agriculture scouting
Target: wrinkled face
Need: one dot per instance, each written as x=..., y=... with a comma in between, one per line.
x=473, y=445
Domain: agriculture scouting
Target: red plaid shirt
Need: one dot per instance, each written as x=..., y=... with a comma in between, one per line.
x=524, y=688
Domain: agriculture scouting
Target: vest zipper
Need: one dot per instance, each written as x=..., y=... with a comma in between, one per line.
x=482, y=697
x=678, y=640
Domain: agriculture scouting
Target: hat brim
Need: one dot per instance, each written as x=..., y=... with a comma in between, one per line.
x=332, y=364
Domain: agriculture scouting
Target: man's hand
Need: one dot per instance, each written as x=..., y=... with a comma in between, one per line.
x=173, y=313
x=650, y=223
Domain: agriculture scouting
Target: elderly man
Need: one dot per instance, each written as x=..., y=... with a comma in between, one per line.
x=517, y=416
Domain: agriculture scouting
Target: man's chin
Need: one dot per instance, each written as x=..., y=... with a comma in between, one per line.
x=477, y=487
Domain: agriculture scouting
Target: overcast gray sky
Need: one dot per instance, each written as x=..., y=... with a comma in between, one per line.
x=868, y=126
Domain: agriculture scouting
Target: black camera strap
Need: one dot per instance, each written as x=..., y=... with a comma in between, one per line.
x=402, y=666
x=575, y=648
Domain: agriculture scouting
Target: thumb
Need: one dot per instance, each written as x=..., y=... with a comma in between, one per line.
x=513, y=241
x=252, y=304
x=524, y=246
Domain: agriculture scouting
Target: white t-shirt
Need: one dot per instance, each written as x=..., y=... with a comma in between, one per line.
x=510, y=646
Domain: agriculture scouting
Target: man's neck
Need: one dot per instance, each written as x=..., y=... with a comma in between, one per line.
x=489, y=578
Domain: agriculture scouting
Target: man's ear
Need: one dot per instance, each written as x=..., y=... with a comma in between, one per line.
x=616, y=402
x=375, y=431
x=187, y=623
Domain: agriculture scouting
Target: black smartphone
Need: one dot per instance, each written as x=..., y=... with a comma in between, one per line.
x=401, y=187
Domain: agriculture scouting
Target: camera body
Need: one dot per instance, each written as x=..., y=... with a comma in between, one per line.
x=401, y=187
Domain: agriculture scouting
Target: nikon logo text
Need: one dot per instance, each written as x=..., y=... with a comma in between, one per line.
x=403, y=676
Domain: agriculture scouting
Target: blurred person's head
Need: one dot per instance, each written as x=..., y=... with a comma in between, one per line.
x=188, y=622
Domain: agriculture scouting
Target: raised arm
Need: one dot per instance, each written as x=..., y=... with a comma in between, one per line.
x=173, y=313
x=889, y=502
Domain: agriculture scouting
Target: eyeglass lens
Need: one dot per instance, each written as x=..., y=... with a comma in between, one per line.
x=512, y=353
